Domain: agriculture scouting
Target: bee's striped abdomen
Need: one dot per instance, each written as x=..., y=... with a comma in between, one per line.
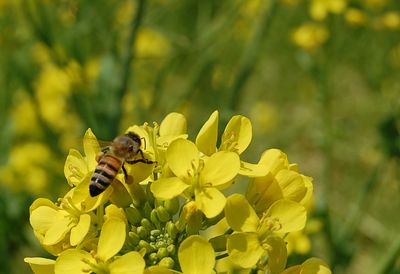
x=104, y=174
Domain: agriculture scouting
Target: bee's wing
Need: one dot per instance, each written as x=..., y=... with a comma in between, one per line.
x=99, y=145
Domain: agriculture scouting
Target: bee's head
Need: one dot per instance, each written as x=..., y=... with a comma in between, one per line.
x=126, y=146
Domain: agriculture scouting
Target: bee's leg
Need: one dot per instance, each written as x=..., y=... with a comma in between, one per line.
x=143, y=160
x=125, y=173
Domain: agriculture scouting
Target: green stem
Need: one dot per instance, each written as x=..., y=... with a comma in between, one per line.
x=250, y=54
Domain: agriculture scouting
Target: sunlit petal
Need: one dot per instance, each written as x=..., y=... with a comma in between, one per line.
x=41, y=265
x=71, y=261
x=238, y=130
x=168, y=188
x=131, y=262
x=277, y=254
x=252, y=170
x=291, y=215
x=240, y=215
x=182, y=156
x=206, y=139
x=196, y=256
x=210, y=201
x=112, y=238
x=91, y=147
x=173, y=124
x=220, y=168
x=79, y=232
x=244, y=249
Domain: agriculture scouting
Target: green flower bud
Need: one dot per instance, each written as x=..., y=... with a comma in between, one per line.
x=133, y=238
x=149, y=194
x=147, y=224
x=153, y=258
x=142, y=232
x=154, y=218
x=146, y=245
x=147, y=210
x=167, y=262
x=163, y=214
x=162, y=252
x=172, y=206
x=155, y=232
x=133, y=215
x=171, y=249
x=172, y=230
x=160, y=244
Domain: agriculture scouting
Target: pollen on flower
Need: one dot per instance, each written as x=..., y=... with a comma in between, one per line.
x=160, y=221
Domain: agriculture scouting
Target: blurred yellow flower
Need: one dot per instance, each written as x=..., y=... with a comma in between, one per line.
x=319, y=9
x=375, y=3
x=124, y=12
x=310, y=36
x=26, y=167
x=151, y=44
x=24, y=115
x=355, y=17
x=265, y=116
x=391, y=20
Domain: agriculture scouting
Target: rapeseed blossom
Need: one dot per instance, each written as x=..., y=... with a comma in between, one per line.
x=154, y=216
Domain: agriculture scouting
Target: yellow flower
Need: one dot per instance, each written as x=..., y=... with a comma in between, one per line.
x=196, y=178
x=235, y=138
x=257, y=236
x=310, y=266
x=151, y=44
x=58, y=228
x=356, y=17
x=196, y=256
x=319, y=9
x=112, y=238
x=310, y=36
x=282, y=181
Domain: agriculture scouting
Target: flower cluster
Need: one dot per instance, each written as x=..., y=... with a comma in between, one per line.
x=158, y=215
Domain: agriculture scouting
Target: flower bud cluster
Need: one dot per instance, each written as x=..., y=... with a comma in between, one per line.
x=166, y=210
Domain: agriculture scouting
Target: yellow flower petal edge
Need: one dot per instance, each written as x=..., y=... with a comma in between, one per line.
x=79, y=232
x=210, y=201
x=41, y=265
x=277, y=254
x=196, y=256
x=240, y=215
x=71, y=261
x=206, y=139
x=173, y=124
x=91, y=147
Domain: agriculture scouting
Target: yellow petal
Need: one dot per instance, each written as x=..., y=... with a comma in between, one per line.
x=210, y=201
x=58, y=230
x=238, y=130
x=277, y=254
x=41, y=265
x=244, y=249
x=70, y=261
x=196, y=256
x=291, y=184
x=42, y=202
x=307, y=199
x=159, y=270
x=240, y=215
x=168, y=188
x=291, y=215
x=42, y=218
x=79, y=231
x=112, y=238
x=182, y=156
x=206, y=139
x=173, y=124
x=315, y=266
x=220, y=168
x=91, y=148
x=275, y=160
x=75, y=168
x=114, y=212
x=252, y=170
x=131, y=262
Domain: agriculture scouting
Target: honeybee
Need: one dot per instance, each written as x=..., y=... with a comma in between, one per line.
x=123, y=149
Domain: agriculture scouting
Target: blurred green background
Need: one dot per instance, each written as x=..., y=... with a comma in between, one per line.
x=320, y=79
